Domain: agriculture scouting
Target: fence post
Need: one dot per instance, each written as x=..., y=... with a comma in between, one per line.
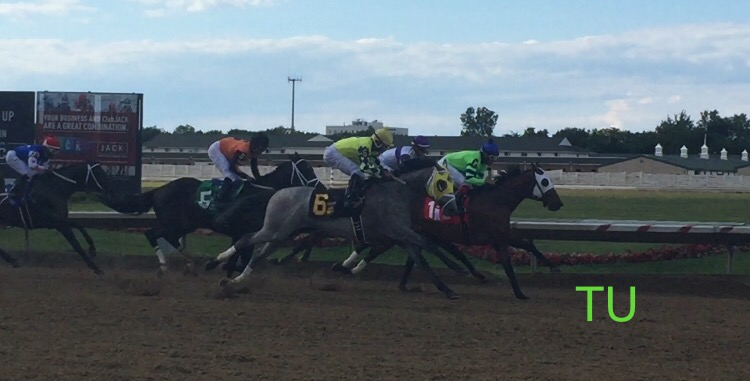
x=532, y=263
x=730, y=258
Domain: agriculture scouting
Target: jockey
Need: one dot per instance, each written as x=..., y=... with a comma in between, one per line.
x=358, y=157
x=29, y=160
x=468, y=168
x=393, y=158
x=228, y=153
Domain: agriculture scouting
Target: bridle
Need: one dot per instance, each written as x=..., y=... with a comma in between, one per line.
x=303, y=180
x=89, y=176
x=295, y=175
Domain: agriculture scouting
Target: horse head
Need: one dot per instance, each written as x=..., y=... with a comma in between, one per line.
x=534, y=184
x=88, y=177
x=293, y=173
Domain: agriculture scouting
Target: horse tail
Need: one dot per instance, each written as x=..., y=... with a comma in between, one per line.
x=132, y=203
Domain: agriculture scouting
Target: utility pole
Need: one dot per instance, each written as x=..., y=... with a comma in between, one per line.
x=293, y=81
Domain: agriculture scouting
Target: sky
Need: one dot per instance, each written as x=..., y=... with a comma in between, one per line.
x=223, y=64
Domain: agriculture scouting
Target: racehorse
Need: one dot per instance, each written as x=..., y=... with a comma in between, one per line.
x=488, y=210
x=46, y=206
x=384, y=217
x=178, y=212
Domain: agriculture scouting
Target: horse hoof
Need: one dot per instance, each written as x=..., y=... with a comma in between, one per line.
x=99, y=272
x=522, y=296
x=161, y=272
x=224, y=282
x=15, y=264
x=189, y=269
x=337, y=267
x=451, y=295
x=274, y=261
x=211, y=264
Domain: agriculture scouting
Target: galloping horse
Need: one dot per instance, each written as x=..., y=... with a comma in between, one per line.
x=384, y=217
x=178, y=213
x=488, y=211
x=48, y=206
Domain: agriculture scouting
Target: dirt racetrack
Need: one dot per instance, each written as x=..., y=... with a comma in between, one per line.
x=61, y=322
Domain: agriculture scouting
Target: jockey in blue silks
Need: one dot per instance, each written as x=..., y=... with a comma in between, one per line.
x=30, y=160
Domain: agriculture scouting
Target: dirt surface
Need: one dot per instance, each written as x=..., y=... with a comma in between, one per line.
x=61, y=322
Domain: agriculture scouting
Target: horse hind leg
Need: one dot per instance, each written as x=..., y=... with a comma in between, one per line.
x=153, y=236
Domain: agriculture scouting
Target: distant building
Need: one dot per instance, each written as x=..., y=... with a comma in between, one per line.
x=550, y=153
x=684, y=164
x=360, y=125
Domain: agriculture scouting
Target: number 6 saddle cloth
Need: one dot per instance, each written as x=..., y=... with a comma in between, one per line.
x=327, y=203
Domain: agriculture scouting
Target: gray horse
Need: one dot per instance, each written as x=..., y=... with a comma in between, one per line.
x=385, y=217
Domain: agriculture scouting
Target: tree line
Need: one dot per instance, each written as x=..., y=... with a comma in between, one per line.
x=731, y=133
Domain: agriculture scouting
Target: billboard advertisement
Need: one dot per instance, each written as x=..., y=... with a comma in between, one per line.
x=102, y=127
x=16, y=128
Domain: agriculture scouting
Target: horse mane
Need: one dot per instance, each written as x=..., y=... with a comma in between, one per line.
x=509, y=173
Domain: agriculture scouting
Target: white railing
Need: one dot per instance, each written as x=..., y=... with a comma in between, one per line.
x=633, y=180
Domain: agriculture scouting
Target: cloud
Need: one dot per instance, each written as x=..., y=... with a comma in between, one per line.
x=630, y=80
x=48, y=8
x=160, y=8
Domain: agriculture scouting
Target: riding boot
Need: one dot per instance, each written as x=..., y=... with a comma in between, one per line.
x=222, y=198
x=18, y=192
x=460, y=198
x=352, y=192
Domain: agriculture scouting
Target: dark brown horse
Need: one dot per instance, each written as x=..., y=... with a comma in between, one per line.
x=48, y=206
x=488, y=213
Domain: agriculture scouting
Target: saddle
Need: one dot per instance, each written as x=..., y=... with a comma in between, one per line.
x=434, y=212
x=327, y=203
x=208, y=191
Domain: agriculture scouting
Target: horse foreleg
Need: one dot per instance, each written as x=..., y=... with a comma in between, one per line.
x=304, y=244
x=414, y=253
x=458, y=254
x=267, y=249
x=349, y=263
x=243, y=256
x=87, y=237
x=8, y=258
x=67, y=232
x=502, y=251
x=531, y=248
x=408, y=267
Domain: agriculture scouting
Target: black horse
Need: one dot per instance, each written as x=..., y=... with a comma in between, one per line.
x=178, y=212
x=46, y=206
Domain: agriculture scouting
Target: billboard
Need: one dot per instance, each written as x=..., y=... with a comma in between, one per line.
x=103, y=127
x=16, y=128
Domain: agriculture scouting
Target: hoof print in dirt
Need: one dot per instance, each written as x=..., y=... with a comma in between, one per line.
x=411, y=289
x=330, y=287
x=226, y=291
x=139, y=287
x=242, y=290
